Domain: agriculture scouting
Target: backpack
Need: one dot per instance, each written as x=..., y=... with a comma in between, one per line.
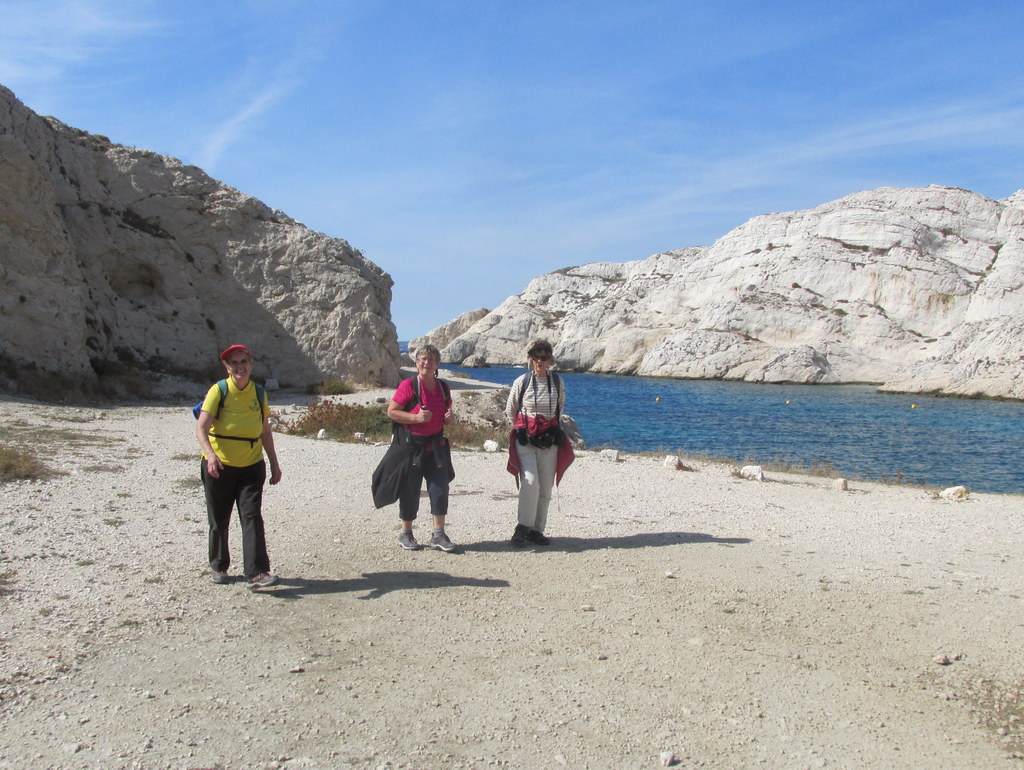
x=222, y=385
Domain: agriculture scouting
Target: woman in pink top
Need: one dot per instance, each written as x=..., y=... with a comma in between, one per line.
x=425, y=417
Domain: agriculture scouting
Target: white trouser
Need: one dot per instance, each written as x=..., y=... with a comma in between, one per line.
x=536, y=479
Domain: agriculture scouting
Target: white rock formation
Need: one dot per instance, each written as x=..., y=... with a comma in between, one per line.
x=444, y=334
x=117, y=262
x=919, y=289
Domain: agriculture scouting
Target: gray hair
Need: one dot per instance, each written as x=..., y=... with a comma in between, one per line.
x=427, y=350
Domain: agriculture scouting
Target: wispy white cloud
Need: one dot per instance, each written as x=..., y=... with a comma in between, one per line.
x=887, y=141
x=40, y=40
x=230, y=131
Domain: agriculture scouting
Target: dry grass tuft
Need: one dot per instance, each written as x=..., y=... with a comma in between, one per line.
x=18, y=463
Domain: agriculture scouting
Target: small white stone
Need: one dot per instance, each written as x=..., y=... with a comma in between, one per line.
x=491, y=446
x=755, y=472
x=955, y=494
x=322, y=433
x=668, y=759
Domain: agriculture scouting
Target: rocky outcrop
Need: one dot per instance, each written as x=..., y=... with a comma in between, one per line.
x=918, y=289
x=118, y=262
x=444, y=334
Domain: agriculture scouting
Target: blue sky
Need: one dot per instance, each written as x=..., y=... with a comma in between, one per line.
x=467, y=146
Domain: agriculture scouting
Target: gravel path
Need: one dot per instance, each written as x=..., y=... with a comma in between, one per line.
x=685, y=618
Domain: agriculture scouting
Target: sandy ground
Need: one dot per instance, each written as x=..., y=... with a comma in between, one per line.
x=684, y=618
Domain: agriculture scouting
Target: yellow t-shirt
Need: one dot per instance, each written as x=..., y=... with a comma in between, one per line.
x=241, y=415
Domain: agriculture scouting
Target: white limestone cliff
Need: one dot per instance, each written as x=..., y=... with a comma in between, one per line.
x=444, y=334
x=915, y=289
x=118, y=262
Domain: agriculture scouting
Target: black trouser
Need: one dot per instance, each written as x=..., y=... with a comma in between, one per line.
x=437, y=488
x=242, y=487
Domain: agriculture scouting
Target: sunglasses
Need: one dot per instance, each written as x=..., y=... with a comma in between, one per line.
x=541, y=357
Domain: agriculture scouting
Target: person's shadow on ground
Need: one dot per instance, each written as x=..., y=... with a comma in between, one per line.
x=376, y=584
x=639, y=540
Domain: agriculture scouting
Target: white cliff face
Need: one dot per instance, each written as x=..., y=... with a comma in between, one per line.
x=444, y=334
x=920, y=289
x=117, y=261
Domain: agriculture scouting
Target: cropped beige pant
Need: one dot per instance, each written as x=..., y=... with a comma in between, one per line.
x=536, y=480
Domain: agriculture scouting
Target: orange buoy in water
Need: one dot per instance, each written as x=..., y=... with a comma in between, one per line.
x=657, y=398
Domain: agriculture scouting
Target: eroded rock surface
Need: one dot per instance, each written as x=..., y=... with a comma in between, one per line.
x=916, y=289
x=117, y=262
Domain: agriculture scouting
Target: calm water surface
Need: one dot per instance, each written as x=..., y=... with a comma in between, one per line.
x=921, y=439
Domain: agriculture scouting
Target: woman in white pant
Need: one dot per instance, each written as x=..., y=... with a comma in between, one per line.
x=534, y=408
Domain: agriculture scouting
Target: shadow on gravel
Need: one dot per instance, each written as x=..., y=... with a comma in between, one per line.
x=577, y=544
x=376, y=583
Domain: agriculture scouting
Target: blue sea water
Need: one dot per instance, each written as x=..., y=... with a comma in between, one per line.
x=939, y=442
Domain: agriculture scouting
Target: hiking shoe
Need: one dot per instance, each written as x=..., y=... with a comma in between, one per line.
x=519, y=536
x=262, y=580
x=219, y=578
x=537, y=538
x=407, y=541
x=441, y=541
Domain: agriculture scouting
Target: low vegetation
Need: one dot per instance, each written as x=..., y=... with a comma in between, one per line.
x=471, y=435
x=6, y=579
x=343, y=421
x=332, y=387
x=18, y=463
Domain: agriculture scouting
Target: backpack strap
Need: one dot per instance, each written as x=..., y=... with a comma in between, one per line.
x=222, y=386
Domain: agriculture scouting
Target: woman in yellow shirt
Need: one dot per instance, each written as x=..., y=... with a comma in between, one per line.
x=233, y=431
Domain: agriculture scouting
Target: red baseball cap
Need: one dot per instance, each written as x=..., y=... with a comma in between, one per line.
x=235, y=349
